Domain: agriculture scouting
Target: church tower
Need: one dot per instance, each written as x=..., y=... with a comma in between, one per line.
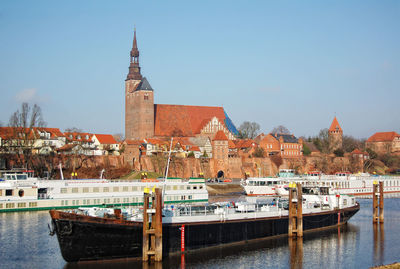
x=335, y=135
x=139, y=100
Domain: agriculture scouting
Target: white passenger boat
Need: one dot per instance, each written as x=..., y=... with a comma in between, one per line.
x=20, y=191
x=341, y=183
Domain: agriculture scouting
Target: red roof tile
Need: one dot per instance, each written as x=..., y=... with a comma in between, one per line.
x=106, y=139
x=335, y=126
x=383, y=136
x=179, y=120
x=220, y=135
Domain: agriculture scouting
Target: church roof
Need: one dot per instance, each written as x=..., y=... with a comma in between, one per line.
x=144, y=85
x=180, y=120
x=383, y=136
x=335, y=126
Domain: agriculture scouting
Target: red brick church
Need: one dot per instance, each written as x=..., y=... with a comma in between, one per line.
x=144, y=119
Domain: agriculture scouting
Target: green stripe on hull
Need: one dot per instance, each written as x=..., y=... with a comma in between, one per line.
x=5, y=210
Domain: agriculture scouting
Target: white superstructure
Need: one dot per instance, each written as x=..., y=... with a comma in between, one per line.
x=20, y=192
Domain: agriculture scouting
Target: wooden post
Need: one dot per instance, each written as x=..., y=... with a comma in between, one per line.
x=374, y=203
x=152, y=232
x=158, y=225
x=146, y=247
x=299, y=210
x=295, y=211
x=291, y=219
x=381, y=202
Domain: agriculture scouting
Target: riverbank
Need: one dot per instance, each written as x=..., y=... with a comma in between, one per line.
x=389, y=266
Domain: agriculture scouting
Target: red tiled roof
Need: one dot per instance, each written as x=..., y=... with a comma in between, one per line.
x=106, y=139
x=357, y=151
x=335, y=125
x=179, y=120
x=75, y=137
x=195, y=148
x=13, y=133
x=220, y=135
x=133, y=142
x=383, y=136
x=244, y=143
x=231, y=145
x=54, y=132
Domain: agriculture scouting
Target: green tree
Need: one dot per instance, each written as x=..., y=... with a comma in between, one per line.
x=306, y=150
x=339, y=153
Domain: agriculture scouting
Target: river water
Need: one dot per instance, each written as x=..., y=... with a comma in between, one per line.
x=25, y=243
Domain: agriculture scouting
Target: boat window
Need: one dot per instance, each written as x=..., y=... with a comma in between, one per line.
x=194, y=187
x=21, y=205
x=1, y=205
x=175, y=187
x=125, y=188
x=188, y=187
x=182, y=187
x=75, y=190
x=190, y=197
x=63, y=190
x=262, y=183
x=10, y=205
x=9, y=192
x=201, y=187
x=22, y=177
x=105, y=189
x=1, y=192
x=86, y=189
x=116, y=189
x=96, y=189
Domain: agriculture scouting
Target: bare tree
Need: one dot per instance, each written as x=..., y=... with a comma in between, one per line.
x=350, y=143
x=280, y=130
x=118, y=137
x=248, y=130
x=23, y=123
x=73, y=130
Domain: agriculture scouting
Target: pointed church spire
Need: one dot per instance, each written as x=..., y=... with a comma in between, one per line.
x=134, y=68
x=335, y=127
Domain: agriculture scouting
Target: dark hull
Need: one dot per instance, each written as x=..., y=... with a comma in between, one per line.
x=89, y=238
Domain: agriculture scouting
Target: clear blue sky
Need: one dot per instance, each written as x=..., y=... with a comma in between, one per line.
x=291, y=63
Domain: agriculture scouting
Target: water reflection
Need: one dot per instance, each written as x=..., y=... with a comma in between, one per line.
x=296, y=252
x=379, y=242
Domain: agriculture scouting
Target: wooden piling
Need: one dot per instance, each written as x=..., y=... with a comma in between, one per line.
x=295, y=211
x=152, y=232
x=381, y=202
x=374, y=202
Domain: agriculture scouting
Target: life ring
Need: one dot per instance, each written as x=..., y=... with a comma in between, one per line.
x=21, y=193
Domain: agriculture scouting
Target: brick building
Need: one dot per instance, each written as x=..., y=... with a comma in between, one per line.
x=335, y=133
x=384, y=142
x=144, y=119
x=220, y=145
x=285, y=145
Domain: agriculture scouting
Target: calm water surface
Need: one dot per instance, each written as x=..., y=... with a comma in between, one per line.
x=25, y=243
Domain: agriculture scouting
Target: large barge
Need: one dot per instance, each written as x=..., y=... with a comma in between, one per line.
x=89, y=234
